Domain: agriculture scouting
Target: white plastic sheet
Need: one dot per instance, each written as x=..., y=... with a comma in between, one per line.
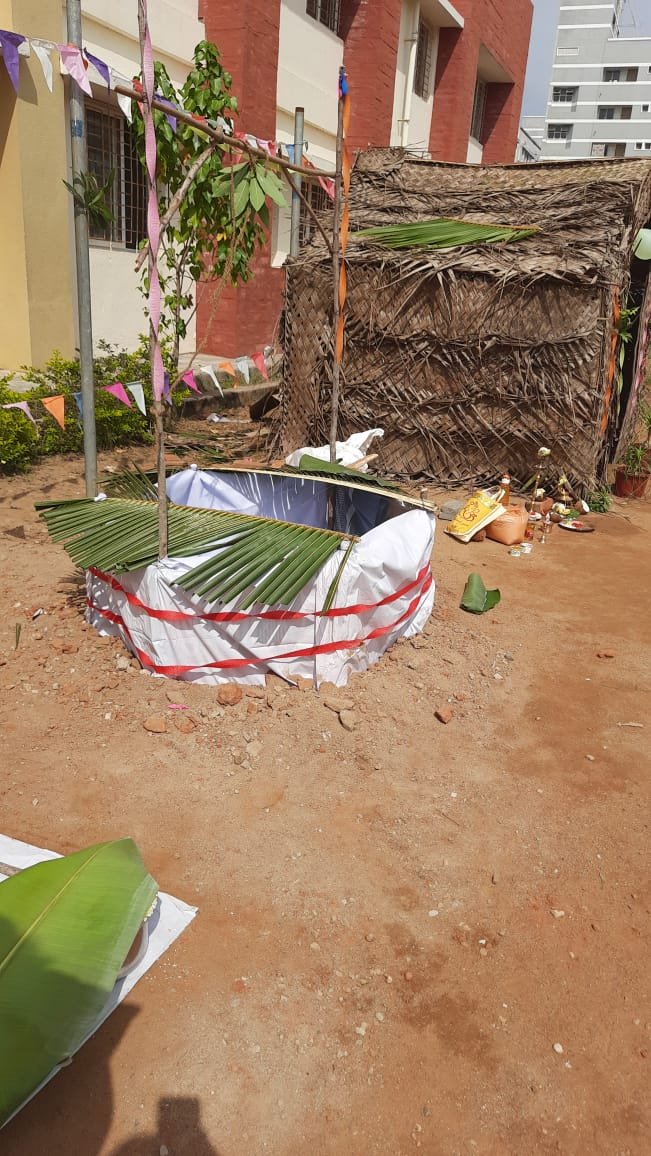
x=386, y=591
x=347, y=453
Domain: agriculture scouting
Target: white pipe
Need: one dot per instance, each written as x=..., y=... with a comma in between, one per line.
x=409, y=79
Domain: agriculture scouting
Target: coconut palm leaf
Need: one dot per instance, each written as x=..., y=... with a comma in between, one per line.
x=349, y=479
x=444, y=233
x=255, y=559
x=66, y=927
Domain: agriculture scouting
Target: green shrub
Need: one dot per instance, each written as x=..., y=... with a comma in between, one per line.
x=116, y=424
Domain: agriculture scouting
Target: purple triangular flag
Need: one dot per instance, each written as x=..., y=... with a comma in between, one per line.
x=118, y=390
x=10, y=43
x=101, y=67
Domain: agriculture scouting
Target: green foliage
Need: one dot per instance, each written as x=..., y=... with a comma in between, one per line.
x=93, y=197
x=258, y=561
x=600, y=501
x=636, y=461
x=443, y=233
x=117, y=424
x=223, y=216
x=66, y=926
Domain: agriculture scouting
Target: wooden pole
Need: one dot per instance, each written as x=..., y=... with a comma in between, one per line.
x=336, y=260
x=159, y=432
x=234, y=143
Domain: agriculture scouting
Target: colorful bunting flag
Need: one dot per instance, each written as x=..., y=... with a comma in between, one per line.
x=227, y=367
x=242, y=366
x=188, y=379
x=10, y=43
x=138, y=395
x=75, y=65
x=123, y=101
x=56, y=406
x=99, y=66
x=20, y=405
x=118, y=390
x=43, y=48
x=260, y=363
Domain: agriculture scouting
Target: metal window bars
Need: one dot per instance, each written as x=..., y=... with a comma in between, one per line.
x=111, y=149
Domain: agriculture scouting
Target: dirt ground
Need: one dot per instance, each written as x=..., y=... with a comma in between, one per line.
x=396, y=924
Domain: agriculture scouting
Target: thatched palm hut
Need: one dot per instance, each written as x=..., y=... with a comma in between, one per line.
x=472, y=358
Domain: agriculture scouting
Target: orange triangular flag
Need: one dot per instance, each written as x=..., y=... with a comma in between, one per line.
x=227, y=367
x=57, y=407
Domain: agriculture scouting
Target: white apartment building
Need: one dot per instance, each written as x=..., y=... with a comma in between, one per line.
x=529, y=146
x=600, y=92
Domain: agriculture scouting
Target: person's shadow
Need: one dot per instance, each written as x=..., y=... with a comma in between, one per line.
x=178, y=1130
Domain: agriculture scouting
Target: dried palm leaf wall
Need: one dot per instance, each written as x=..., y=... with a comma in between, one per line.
x=470, y=358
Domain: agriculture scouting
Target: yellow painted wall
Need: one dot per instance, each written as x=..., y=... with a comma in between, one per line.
x=37, y=293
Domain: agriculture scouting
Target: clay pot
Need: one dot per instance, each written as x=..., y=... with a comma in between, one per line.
x=630, y=485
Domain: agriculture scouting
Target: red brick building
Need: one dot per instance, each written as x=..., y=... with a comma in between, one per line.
x=441, y=78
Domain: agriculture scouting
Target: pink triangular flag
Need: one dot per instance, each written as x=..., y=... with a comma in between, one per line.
x=75, y=66
x=57, y=407
x=118, y=390
x=188, y=379
x=260, y=364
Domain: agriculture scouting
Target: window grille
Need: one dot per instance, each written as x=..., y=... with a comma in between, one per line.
x=111, y=149
x=423, y=67
x=319, y=201
x=563, y=95
x=326, y=12
x=559, y=131
x=478, y=110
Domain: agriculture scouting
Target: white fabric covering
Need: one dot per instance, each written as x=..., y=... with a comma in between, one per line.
x=386, y=559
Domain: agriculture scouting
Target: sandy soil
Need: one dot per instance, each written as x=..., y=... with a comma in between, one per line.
x=396, y=924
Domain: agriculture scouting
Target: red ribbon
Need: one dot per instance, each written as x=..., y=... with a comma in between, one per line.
x=422, y=579
x=235, y=663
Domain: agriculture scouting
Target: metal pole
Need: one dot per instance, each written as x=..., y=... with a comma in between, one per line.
x=336, y=251
x=79, y=155
x=295, y=232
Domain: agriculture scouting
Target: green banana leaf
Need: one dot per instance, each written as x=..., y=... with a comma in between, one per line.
x=476, y=598
x=66, y=926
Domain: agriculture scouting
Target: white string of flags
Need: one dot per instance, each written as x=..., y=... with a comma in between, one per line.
x=55, y=405
x=77, y=63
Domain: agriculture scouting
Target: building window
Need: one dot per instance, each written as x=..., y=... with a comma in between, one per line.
x=111, y=149
x=631, y=74
x=325, y=11
x=559, y=132
x=319, y=201
x=564, y=95
x=647, y=145
x=423, y=61
x=645, y=108
x=606, y=113
x=615, y=150
x=478, y=110
x=625, y=111
x=612, y=74
x=638, y=144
